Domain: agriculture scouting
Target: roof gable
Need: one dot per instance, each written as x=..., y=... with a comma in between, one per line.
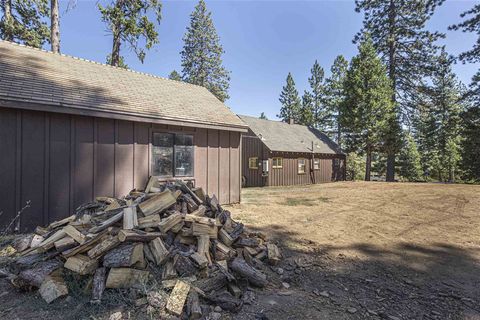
x=41, y=77
x=284, y=137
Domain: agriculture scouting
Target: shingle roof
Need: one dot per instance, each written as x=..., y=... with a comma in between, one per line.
x=38, y=76
x=281, y=136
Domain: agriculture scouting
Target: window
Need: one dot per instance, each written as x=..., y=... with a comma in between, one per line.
x=301, y=166
x=277, y=163
x=316, y=164
x=172, y=155
x=253, y=163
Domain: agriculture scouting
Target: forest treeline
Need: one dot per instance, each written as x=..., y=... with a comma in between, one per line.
x=396, y=108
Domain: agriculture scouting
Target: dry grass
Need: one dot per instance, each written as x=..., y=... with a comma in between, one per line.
x=347, y=215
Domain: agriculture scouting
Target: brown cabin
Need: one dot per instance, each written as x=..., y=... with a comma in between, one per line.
x=276, y=153
x=71, y=130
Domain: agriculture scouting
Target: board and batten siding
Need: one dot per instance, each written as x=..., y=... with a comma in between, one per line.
x=59, y=161
x=288, y=175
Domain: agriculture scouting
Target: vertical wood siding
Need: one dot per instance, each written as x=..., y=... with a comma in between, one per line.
x=252, y=146
x=59, y=161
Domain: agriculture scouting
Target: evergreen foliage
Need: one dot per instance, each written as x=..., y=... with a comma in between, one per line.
x=410, y=160
x=129, y=23
x=471, y=24
x=290, y=101
x=367, y=109
x=306, y=114
x=263, y=116
x=23, y=21
x=397, y=29
x=355, y=167
x=471, y=144
x=202, y=54
x=315, y=108
x=335, y=95
x=174, y=75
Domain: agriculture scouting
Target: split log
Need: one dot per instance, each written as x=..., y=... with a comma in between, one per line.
x=60, y=223
x=246, y=242
x=203, y=247
x=149, y=221
x=98, y=284
x=186, y=189
x=137, y=235
x=226, y=301
x=177, y=298
x=217, y=281
x=244, y=270
x=202, y=220
x=52, y=288
x=81, y=264
x=223, y=249
x=23, y=243
x=103, y=247
x=87, y=245
x=273, y=254
x=124, y=256
x=200, y=212
x=184, y=266
x=50, y=242
x=193, y=306
x=126, y=278
x=152, y=182
x=35, y=276
x=225, y=237
x=157, y=203
x=74, y=233
x=214, y=204
x=64, y=244
x=176, y=228
x=169, y=271
x=234, y=290
x=184, y=240
x=200, y=259
x=147, y=253
x=113, y=205
x=199, y=193
x=130, y=219
x=199, y=229
x=107, y=223
x=158, y=250
x=36, y=240
x=170, y=221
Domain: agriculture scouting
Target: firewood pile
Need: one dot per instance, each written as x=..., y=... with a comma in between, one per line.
x=169, y=235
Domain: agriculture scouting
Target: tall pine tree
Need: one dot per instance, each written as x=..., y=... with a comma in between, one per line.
x=306, y=114
x=335, y=94
x=129, y=23
x=410, y=160
x=470, y=163
x=471, y=24
x=23, y=21
x=367, y=106
x=290, y=101
x=202, y=54
x=397, y=29
x=320, y=114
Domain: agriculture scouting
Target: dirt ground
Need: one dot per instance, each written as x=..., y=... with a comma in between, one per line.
x=351, y=251
x=370, y=250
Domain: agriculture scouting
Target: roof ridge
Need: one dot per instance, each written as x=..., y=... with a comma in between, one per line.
x=99, y=63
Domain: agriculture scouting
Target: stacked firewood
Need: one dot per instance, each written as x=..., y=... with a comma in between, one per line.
x=168, y=234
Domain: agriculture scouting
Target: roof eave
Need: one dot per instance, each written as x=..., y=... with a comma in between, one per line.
x=117, y=115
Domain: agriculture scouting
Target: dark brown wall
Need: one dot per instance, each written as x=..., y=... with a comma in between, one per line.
x=288, y=175
x=60, y=161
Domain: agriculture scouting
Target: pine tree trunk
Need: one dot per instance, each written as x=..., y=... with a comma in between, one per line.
x=392, y=75
x=55, y=27
x=368, y=166
x=8, y=20
x=116, y=29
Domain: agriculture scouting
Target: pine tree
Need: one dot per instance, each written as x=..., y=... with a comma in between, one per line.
x=322, y=118
x=263, y=116
x=202, y=54
x=397, y=29
x=410, y=160
x=470, y=163
x=446, y=99
x=425, y=125
x=471, y=24
x=174, y=75
x=306, y=114
x=290, y=101
x=23, y=21
x=335, y=94
x=128, y=21
x=367, y=107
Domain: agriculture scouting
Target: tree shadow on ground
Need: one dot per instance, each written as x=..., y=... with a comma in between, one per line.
x=365, y=281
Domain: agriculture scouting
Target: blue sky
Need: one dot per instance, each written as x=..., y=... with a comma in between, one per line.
x=263, y=41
